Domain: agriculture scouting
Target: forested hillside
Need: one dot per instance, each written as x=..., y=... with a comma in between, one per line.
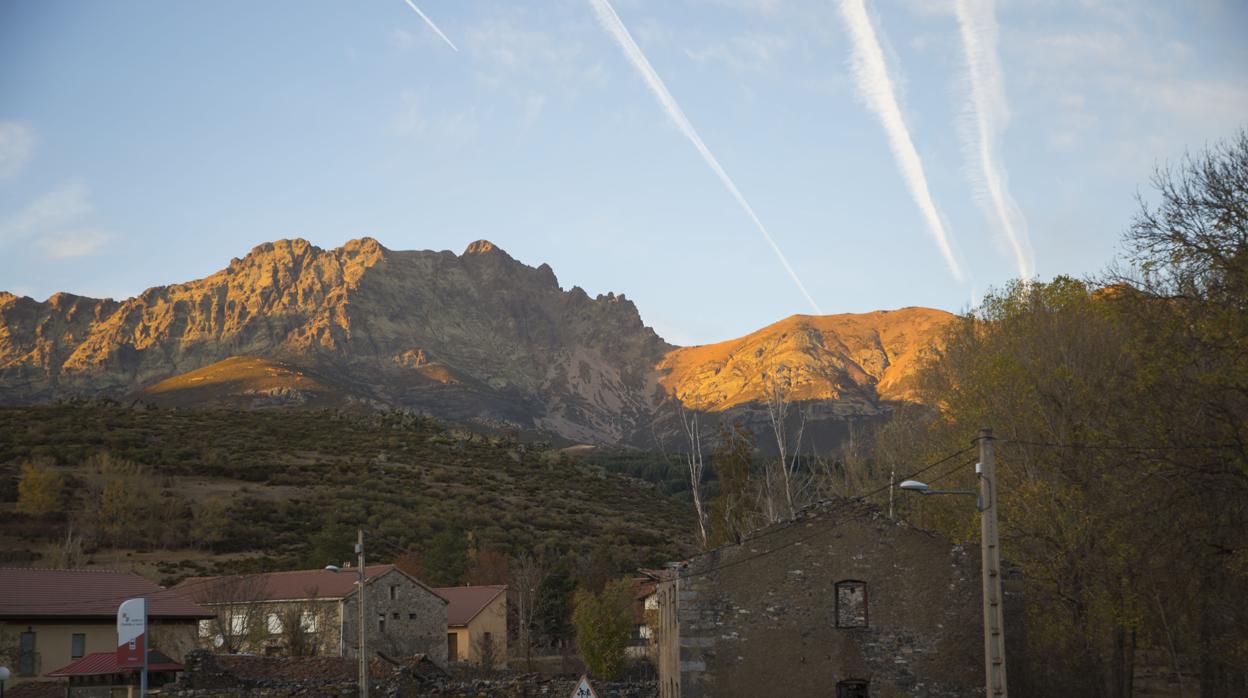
x=189, y=490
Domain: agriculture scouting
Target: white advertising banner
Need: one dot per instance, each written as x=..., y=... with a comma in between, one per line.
x=132, y=633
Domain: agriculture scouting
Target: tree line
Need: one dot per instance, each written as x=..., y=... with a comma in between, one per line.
x=1120, y=404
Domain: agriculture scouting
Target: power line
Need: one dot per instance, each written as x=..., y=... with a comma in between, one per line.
x=1122, y=447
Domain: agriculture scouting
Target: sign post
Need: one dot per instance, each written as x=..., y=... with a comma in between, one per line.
x=132, y=638
x=584, y=689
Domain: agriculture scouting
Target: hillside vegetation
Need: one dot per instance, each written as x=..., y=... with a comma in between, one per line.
x=271, y=489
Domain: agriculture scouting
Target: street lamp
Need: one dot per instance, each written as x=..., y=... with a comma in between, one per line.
x=4, y=676
x=990, y=561
x=359, y=571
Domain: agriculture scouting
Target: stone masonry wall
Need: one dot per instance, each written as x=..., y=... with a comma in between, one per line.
x=404, y=635
x=769, y=622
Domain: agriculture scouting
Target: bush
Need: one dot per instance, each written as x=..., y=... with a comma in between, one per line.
x=604, y=623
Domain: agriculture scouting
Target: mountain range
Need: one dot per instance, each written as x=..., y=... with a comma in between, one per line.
x=479, y=338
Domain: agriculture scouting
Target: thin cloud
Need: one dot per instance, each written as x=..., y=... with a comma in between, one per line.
x=17, y=146
x=72, y=243
x=986, y=115
x=614, y=26
x=58, y=224
x=877, y=91
x=432, y=26
x=61, y=207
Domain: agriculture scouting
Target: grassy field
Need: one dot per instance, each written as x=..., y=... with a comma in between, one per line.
x=273, y=489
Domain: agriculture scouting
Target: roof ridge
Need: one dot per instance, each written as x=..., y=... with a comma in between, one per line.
x=257, y=574
x=57, y=569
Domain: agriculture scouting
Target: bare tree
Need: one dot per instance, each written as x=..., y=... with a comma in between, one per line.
x=695, y=463
x=527, y=574
x=303, y=625
x=237, y=602
x=68, y=555
x=488, y=652
x=785, y=479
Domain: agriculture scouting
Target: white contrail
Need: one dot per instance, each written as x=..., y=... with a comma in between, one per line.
x=986, y=115
x=432, y=26
x=611, y=22
x=876, y=89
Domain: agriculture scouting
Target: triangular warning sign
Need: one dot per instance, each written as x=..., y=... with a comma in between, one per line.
x=583, y=689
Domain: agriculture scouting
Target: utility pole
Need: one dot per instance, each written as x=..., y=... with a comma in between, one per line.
x=990, y=559
x=359, y=551
x=892, y=475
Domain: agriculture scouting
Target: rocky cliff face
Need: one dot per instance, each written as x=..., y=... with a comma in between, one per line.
x=474, y=337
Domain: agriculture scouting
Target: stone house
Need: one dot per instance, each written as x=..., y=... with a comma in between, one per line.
x=315, y=613
x=476, y=619
x=842, y=602
x=50, y=618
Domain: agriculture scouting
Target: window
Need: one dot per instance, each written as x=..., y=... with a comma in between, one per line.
x=77, y=645
x=395, y=615
x=381, y=622
x=452, y=648
x=853, y=688
x=274, y=624
x=238, y=624
x=411, y=616
x=394, y=592
x=851, y=604
x=307, y=621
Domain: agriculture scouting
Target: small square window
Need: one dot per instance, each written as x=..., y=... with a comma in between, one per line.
x=411, y=616
x=851, y=604
x=395, y=615
x=853, y=689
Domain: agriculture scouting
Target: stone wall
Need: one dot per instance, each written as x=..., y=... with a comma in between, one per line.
x=208, y=676
x=415, y=621
x=515, y=688
x=754, y=617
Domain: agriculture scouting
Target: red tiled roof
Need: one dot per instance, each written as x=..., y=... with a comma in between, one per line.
x=277, y=586
x=467, y=602
x=103, y=663
x=32, y=593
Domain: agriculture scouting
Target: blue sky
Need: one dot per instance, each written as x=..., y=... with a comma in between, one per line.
x=146, y=143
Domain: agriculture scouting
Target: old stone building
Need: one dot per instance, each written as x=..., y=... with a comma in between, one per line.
x=315, y=612
x=843, y=602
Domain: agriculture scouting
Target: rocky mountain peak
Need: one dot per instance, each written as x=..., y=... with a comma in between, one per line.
x=481, y=247
x=479, y=337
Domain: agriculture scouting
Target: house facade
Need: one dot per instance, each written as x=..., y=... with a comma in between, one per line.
x=316, y=613
x=51, y=618
x=476, y=620
x=843, y=602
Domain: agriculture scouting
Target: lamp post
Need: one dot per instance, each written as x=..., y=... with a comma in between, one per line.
x=990, y=562
x=4, y=676
x=359, y=571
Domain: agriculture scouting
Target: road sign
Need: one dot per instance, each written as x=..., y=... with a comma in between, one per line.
x=583, y=689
